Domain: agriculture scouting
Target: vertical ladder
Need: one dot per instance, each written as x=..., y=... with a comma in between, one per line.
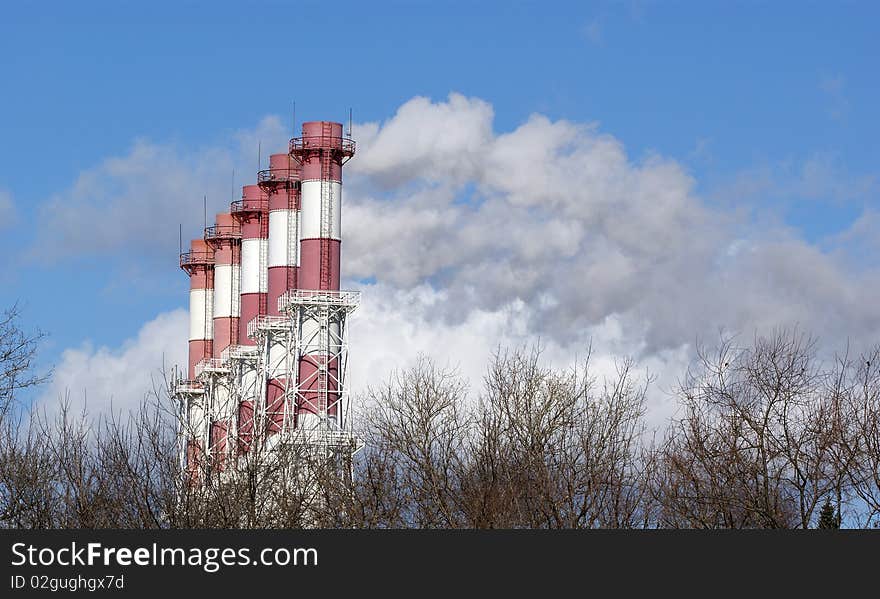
x=325, y=156
x=264, y=275
x=264, y=253
x=292, y=239
x=235, y=292
x=324, y=368
x=208, y=323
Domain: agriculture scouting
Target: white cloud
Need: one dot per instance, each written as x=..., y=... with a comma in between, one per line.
x=99, y=378
x=426, y=140
x=555, y=215
x=392, y=326
x=860, y=240
x=819, y=178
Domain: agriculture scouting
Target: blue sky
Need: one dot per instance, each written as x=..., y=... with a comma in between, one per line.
x=770, y=107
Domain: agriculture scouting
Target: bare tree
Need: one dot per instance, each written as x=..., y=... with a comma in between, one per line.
x=537, y=449
x=25, y=499
x=756, y=446
x=856, y=391
x=555, y=453
x=18, y=351
x=418, y=424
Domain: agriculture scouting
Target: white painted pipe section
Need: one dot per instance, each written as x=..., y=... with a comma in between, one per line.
x=264, y=267
x=223, y=405
x=281, y=358
x=227, y=281
x=196, y=419
x=201, y=314
x=311, y=210
x=251, y=281
x=318, y=340
x=283, y=238
x=249, y=379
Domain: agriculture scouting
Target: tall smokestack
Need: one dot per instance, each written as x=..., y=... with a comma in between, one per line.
x=199, y=265
x=252, y=215
x=321, y=150
x=282, y=183
x=251, y=212
x=225, y=238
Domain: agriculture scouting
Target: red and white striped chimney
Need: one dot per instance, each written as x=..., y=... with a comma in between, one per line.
x=252, y=214
x=322, y=151
x=281, y=181
x=225, y=238
x=199, y=265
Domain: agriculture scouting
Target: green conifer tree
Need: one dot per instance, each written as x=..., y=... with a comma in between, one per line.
x=828, y=516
